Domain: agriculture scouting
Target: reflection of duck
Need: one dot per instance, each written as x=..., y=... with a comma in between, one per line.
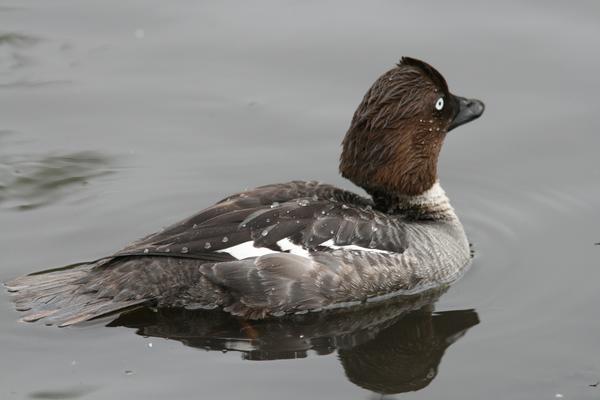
x=298, y=246
x=389, y=347
x=405, y=356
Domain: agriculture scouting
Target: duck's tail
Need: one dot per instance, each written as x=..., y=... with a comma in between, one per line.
x=63, y=296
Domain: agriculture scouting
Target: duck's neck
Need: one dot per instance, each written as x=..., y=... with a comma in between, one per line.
x=432, y=204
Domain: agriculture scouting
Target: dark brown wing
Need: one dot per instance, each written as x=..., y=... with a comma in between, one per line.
x=310, y=223
x=184, y=238
x=308, y=213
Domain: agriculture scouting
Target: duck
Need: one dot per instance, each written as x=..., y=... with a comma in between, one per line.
x=301, y=246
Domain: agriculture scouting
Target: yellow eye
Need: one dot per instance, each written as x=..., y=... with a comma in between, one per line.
x=439, y=104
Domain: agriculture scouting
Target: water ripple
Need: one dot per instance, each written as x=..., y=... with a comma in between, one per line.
x=31, y=181
x=15, y=39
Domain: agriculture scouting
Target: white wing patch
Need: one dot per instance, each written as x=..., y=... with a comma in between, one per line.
x=288, y=246
x=329, y=244
x=248, y=250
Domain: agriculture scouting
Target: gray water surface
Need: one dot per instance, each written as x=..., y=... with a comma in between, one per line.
x=120, y=117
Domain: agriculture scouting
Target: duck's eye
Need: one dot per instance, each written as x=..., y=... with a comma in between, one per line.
x=439, y=104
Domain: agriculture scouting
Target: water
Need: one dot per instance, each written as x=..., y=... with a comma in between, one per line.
x=118, y=118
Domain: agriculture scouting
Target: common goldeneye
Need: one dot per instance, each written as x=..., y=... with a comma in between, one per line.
x=298, y=246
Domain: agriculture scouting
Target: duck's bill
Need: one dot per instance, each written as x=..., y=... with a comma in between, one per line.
x=468, y=110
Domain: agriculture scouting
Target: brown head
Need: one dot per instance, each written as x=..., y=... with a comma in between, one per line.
x=393, y=143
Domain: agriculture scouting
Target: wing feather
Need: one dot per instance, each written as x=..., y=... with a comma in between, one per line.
x=307, y=213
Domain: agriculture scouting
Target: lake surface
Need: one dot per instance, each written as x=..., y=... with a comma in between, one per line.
x=118, y=118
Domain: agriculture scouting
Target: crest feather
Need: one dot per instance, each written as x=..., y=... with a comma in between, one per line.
x=427, y=70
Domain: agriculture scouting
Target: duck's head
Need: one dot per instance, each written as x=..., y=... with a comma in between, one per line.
x=394, y=140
